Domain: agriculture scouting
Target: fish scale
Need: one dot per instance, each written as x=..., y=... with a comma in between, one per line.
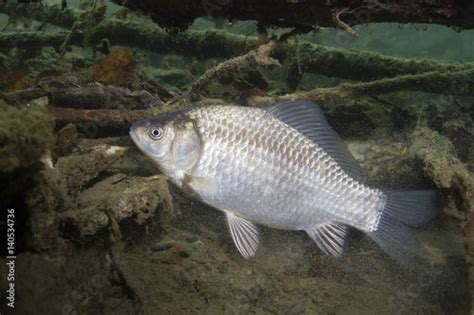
x=276, y=151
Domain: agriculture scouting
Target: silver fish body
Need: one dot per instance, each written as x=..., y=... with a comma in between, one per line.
x=269, y=173
x=282, y=166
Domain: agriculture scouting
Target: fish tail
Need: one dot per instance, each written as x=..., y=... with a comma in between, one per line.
x=402, y=211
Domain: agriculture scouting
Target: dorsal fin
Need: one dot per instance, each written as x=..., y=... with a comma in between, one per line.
x=308, y=118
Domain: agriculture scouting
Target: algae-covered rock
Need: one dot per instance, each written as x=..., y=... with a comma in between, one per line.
x=79, y=169
x=439, y=156
x=56, y=188
x=116, y=198
x=26, y=134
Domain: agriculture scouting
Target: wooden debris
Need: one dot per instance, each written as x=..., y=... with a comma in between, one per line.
x=236, y=67
x=343, y=25
x=72, y=93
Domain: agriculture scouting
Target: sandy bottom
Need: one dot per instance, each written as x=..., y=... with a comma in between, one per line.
x=193, y=268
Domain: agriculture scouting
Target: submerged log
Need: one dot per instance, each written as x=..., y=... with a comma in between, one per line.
x=309, y=13
x=94, y=95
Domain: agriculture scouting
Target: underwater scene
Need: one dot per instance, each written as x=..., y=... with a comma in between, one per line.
x=236, y=157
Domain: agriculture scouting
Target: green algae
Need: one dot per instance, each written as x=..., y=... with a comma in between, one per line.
x=26, y=134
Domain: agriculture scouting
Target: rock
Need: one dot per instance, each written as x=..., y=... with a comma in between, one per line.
x=115, y=199
x=222, y=268
x=78, y=169
x=66, y=139
x=26, y=134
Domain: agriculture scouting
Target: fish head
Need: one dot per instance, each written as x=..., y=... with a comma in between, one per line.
x=172, y=141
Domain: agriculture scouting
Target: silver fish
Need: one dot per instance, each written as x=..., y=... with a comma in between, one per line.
x=281, y=166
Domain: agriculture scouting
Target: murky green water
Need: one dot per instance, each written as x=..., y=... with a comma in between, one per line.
x=97, y=232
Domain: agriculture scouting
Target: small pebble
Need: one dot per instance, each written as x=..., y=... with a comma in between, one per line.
x=222, y=268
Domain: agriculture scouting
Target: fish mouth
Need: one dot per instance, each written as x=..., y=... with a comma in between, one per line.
x=134, y=135
x=137, y=138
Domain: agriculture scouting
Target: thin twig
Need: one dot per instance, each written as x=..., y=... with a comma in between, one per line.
x=340, y=23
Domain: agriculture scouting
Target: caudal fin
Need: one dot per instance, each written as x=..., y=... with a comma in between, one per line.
x=412, y=207
x=404, y=209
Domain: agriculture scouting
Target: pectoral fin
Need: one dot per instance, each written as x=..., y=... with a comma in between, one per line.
x=201, y=185
x=244, y=233
x=330, y=237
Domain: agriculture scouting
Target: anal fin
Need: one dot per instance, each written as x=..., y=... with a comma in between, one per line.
x=330, y=237
x=244, y=233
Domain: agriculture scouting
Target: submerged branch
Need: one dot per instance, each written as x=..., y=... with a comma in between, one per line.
x=42, y=12
x=283, y=13
x=459, y=83
x=33, y=39
x=104, y=117
x=66, y=89
x=312, y=58
x=334, y=62
x=308, y=13
x=236, y=67
x=119, y=118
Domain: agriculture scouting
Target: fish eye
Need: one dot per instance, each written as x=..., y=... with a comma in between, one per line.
x=156, y=133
